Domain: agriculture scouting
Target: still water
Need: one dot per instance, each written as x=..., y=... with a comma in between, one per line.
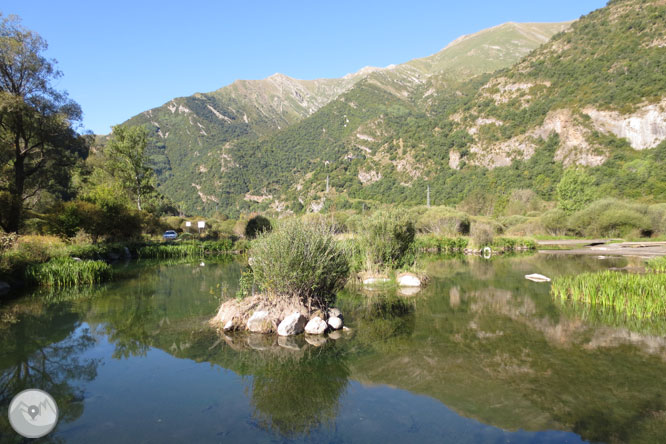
x=480, y=355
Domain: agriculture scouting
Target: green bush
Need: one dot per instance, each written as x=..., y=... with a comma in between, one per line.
x=257, y=225
x=300, y=259
x=432, y=243
x=443, y=221
x=387, y=241
x=482, y=234
x=555, y=222
x=610, y=218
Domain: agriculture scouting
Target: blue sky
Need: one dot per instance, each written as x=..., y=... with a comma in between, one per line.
x=122, y=57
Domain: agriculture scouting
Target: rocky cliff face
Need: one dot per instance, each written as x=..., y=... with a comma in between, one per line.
x=644, y=128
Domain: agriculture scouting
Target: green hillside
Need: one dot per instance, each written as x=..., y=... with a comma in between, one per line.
x=230, y=149
x=591, y=97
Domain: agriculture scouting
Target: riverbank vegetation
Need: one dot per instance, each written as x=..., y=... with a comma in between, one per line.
x=68, y=272
x=635, y=295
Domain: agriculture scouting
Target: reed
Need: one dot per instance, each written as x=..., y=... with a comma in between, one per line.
x=658, y=264
x=637, y=295
x=185, y=249
x=440, y=244
x=68, y=272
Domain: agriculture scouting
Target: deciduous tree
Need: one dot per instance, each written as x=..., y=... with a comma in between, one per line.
x=38, y=144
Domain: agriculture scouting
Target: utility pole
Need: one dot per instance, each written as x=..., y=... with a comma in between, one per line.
x=327, y=184
x=428, y=197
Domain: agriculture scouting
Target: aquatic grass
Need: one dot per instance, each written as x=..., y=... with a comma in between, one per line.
x=508, y=244
x=657, y=264
x=609, y=316
x=639, y=295
x=185, y=249
x=68, y=272
x=440, y=244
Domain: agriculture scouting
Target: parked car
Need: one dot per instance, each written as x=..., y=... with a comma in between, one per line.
x=170, y=234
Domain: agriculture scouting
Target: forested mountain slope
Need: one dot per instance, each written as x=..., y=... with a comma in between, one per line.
x=228, y=149
x=594, y=96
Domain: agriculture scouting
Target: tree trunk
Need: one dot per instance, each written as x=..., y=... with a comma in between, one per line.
x=16, y=191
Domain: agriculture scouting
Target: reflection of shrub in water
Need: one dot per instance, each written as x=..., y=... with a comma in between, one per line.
x=294, y=395
x=384, y=317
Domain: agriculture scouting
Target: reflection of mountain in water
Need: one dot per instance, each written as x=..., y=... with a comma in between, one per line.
x=480, y=339
x=495, y=347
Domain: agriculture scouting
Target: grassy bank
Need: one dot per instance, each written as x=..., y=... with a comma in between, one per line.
x=635, y=295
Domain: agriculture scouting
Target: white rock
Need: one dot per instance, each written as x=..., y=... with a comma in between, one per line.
x=409, y=280
x=292, y=325
x=537, y=277
x=316, y=326
x=334, y=312
x=259, y=322
x=229, y=325
x=375, y=281
x=335, y=323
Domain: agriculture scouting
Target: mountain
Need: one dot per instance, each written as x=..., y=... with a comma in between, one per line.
x=593, y=96
x=224, y=150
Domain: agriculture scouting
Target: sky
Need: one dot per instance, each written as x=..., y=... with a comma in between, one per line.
x=120, y=58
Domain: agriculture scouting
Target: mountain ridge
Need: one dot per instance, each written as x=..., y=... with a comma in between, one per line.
x=195, y=139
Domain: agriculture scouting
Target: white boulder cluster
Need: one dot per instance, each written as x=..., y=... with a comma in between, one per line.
x=296, y=323
x=258, y=314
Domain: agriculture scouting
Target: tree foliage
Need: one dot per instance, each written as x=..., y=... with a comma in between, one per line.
x=38, y=144
x=127, y=161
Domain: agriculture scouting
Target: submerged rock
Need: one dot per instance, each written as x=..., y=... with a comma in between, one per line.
x=335, y=323
x=4, y=287
x=335, y=335
x=260, y=342
x=259, y=322
x=408, y=280
x=409, y=291
x=316, y=326
x=292, y=325
x=317, y=341
x=290, y=343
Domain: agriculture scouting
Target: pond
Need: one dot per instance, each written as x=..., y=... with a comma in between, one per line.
x=480, y=355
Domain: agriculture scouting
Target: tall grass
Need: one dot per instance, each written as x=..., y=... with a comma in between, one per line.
x=185, y=249
x=302, y=260
x=387, y=241
x=639, y=295
x=438, y=244
x=657, y=264
x=67, y=272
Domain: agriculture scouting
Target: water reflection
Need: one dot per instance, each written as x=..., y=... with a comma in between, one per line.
x=43, y=348
x=295, y=395
x=480, y=339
